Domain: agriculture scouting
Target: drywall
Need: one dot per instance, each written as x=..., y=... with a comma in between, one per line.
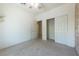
x=61, y=29
x=1, y=14
x=51, y=28
x=1, y=24
x=66, y=9
x=18, y=25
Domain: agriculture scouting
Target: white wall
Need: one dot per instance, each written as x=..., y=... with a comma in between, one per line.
x=67, y=9
x=18, y=25
x=1, y=11
x=61, y=29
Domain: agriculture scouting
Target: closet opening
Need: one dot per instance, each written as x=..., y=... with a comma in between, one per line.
x=39, y=29
x=51, y=29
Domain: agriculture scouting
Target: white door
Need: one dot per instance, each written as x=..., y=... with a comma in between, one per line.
x=61, y=29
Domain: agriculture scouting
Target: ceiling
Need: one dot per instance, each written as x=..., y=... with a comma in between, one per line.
x=43, y=7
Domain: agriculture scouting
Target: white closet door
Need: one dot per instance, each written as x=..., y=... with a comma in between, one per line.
x=61, y=29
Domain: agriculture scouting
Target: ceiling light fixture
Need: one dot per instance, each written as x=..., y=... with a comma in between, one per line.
x=35, y=5
x=31, y=5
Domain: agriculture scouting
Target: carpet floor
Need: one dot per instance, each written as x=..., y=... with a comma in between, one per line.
x=38, y=48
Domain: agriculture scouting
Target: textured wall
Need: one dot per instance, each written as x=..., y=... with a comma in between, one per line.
x=18, y=26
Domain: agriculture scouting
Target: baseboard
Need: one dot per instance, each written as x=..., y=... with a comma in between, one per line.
x=12, y=45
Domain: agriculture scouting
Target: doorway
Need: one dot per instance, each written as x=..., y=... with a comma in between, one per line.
x=51, y=29
x=39, y=29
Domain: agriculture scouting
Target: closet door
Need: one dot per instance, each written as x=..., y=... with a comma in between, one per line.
x=61, y=29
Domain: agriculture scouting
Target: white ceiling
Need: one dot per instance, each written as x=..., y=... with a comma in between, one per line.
x=49, y=6
x=44, y=7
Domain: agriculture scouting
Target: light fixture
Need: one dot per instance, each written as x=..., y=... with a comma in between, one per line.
x=31, y=5
x=35, y=5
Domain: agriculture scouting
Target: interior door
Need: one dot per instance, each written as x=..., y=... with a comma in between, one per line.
x=61, y=29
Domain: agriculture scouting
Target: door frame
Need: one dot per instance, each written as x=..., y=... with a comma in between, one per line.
x=38, y=29
x=48, y=29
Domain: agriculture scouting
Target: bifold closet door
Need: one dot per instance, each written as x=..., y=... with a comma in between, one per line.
x=61, y=29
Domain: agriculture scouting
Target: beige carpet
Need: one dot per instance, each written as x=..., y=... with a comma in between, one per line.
x=38, y=48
